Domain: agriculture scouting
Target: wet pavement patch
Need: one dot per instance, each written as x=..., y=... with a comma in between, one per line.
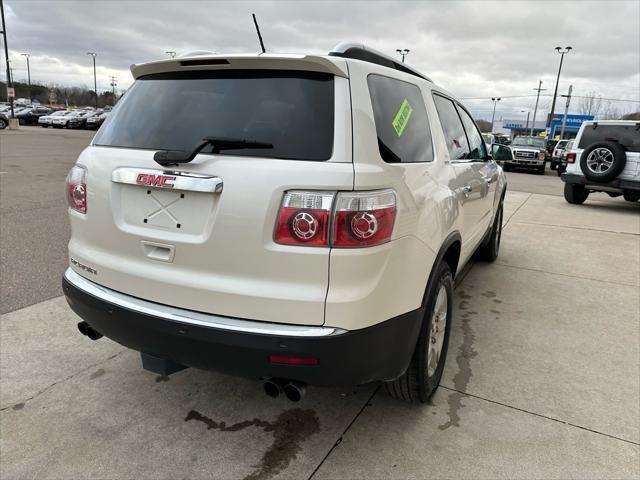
x=461, y=379
x=289, y=430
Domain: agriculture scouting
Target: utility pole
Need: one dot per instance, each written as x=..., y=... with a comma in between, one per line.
x=555, y=92
x=114, y=82
x=26, y=55
x=95, y=82
x=403, y=52
x=495, y=101
x=566, y=110
x=535, y=110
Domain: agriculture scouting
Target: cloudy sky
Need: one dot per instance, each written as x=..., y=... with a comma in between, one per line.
x=473, y=48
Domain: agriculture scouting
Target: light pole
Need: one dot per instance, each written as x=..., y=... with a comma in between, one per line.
x=95, y=82
x=6, y=57
x=495, y=101
x=171, y=53
x=555, y=92
x=535, y=110
x=527, y=125
x=26, y=55
x=403, y=52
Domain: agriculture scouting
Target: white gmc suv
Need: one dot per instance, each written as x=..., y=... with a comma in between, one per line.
x=291, y=218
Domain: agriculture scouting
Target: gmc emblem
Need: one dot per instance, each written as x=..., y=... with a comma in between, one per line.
x=149, y=179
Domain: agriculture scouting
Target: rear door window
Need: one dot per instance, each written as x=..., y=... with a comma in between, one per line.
x=452, y=128
x=402, y=125
x=477, y=145
x=294, y=111
x=626, y=135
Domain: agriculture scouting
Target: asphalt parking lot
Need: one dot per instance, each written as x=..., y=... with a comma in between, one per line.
x=542, y=378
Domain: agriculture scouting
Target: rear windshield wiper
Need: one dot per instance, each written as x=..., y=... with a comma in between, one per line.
x=174, y=157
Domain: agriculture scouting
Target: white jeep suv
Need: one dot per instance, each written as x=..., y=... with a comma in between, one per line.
x=605, y=157
x=292, y=218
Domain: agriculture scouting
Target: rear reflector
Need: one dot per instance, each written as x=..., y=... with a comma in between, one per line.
x=304, y=218
x=293, y=360
x=571, y=157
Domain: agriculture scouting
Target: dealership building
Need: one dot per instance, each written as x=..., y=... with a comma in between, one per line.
x=514, y=128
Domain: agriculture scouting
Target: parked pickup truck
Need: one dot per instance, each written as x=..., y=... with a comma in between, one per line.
x=529, y=153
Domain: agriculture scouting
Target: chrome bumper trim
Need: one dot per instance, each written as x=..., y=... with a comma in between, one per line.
x=190, y=317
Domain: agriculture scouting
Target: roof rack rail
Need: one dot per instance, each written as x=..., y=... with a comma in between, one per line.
x=359, y=51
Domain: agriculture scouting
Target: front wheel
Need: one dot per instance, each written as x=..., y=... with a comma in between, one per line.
x=422, y=377
x=575, y=194
x=3, y=124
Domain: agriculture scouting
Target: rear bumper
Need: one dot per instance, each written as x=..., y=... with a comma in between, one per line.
x=617, y=185
x=242, y=347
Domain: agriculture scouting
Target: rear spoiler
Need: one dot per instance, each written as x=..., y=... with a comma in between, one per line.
x=265, y=61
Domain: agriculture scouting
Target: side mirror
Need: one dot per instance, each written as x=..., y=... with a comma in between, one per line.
x=500, y=152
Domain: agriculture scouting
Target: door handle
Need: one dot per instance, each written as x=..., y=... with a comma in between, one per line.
x=489, y=180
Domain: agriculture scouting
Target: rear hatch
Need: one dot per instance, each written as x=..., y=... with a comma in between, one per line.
x=199, y=235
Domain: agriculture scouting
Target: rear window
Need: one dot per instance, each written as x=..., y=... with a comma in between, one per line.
x=626, y=135
x=402, y=125
x=294, y=111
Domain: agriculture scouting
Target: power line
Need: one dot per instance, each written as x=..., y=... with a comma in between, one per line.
x=549, y=95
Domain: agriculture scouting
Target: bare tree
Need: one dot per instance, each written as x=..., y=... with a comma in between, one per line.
x=590, y=104
x=610, y=111
x=485, y=127
x=631, y=116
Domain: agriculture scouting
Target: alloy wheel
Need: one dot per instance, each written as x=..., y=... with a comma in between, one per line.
x=437, y=333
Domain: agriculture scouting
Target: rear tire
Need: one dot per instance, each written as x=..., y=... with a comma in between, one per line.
x=575, y=194
x=3, y=124
x=422, y=377
x=489, y=252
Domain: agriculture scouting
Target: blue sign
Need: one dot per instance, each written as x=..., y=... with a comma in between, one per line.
x=573, y=123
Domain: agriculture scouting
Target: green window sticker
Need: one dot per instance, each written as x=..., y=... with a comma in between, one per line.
x=402, y=117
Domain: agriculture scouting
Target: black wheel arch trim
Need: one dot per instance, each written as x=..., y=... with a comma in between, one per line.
x=452, y=238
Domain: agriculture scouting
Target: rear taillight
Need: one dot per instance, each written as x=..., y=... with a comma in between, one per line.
x=571, y=157
x=77, y=189
x=363, y=218
x=304, y=218
x=360, y=219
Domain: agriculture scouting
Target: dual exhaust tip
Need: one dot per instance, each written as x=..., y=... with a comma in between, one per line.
x=273, y=387
x=293, y=390
x=88, y=331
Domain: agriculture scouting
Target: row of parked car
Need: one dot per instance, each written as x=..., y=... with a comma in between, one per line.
x=47, y=117
x=604, y=157
x=532, y=152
